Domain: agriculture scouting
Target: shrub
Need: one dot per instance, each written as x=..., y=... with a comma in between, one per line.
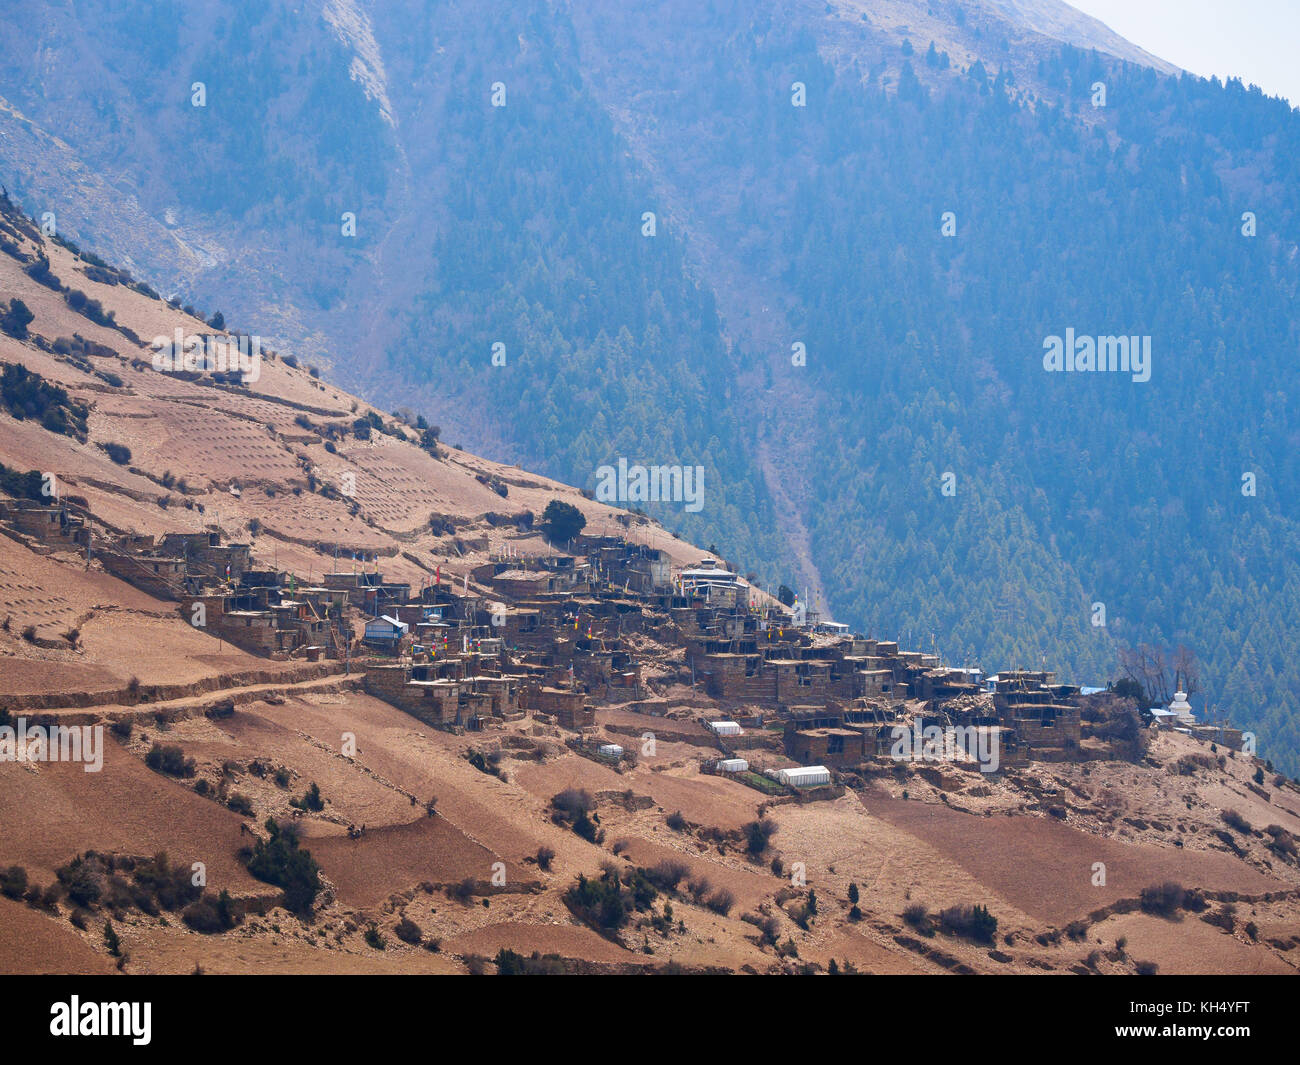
x=1282, y=841
x=408, y=931
x=667, y=874
x=573, y=807
x=211, y=915
x=170, y=887
x=84, y=879
x=918, y=916
x=111, y=941
x=280, y=861
x=767, y=926
x=1163, y=899
x=374, y=938
x=311, y=800
x=16, y=319
x=1188, y=764
x=509, y=963
x=676, y=821
x=169, y=758
x=464, y=891
x=25, y=394
x=721, y=901
x=571, y=801
x=13, y=882
x=1234, y=820
x=240, y=803
x=974, y=922
x=758, y=834
x=90, y=308
x=545, y=856
x=119, y=453
x=39, y=272
x=601, y=903
x=27, y=485
x=1147, y=968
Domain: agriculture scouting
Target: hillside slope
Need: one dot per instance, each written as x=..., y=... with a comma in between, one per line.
x=822, y=225
x=457, y=860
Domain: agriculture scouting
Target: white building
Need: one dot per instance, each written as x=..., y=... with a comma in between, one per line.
x=808, y=776
x=708, y=574
x=1183, y=709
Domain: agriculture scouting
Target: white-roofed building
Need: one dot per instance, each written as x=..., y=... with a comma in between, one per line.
x=807, y=776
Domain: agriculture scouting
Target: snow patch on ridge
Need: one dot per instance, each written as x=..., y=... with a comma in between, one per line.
x=353, y=28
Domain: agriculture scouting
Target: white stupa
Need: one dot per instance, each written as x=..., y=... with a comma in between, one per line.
x=1182, y=708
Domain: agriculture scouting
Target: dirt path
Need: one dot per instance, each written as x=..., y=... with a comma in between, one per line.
x=197, y=703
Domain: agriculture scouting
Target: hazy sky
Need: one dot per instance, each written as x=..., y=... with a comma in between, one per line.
x=1255, y=40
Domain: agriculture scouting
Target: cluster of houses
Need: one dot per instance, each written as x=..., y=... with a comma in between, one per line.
x=551, y=636
x=843, y=698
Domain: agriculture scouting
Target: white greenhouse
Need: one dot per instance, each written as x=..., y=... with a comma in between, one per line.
x=807, y=776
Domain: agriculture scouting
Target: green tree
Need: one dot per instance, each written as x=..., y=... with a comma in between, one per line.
x=562, y=521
